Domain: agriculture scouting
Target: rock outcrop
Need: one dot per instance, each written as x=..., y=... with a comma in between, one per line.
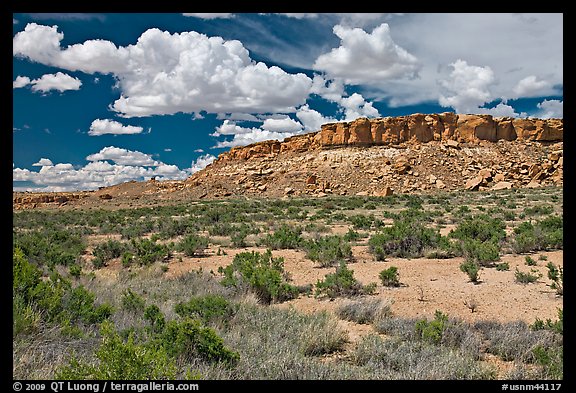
x=409, y=129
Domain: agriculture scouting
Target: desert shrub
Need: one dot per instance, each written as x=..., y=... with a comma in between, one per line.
x=525, y=278
x=504, y=266
x=555, y=326
x=482, y=253
x=127, y=258
x=121, y=360
x=328, y=250
x=543, y=235
x=556, y=274
x=361, y=221
x=432, y=331
x=405, y=239
x=50, y=246
x=341, y=283
x=529, y=261
x=262, y=273
x=153, y=314
x=238, y=239
x=104, y=252
x=208, y=308
x=78, y=305
x=170, y=228
x=539, y=210
x=390, y=277
x=471, y=268
x=285, y=237
x=190, y=338
x=193, y=245
x=53, y=298
x=321, y=335
x=352, y=235
x=148, y=251
x=364, y=311
x=551, y=360
x=75, y=270
x=132, y=302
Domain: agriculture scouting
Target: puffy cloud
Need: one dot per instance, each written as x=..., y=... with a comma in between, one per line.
x=20, y=81
x=356, y=106
x=500, y=110
x=285, y=124
x=311, y=119
x=363, y=58
x=532, y=87
x=58, y=81
x=201, y=163
x=105, y=126
x=43, y=162
x=123, y=157
x=253, y=136
x=550, y=109
x=99, y=172
x=167, y=73
x=469, y=86
x=215, y=15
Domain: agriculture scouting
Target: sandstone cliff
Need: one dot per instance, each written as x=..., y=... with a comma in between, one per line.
x=411, y=128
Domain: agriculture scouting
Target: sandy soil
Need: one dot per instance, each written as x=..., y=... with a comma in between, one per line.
x=427, y=284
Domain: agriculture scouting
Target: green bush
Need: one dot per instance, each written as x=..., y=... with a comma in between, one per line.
x=262, y=273
x=352, y=235
x=525, y=278
x=481, y=252
x=104, y=252
x=285, y=237
x=50, y=246
x=328, y=250
x=504, y=266
x=54, y=298
x=555, y=326
x=75, y=270
x=127, y=258
x=133, y=302
x=471, y=268
x=543, y=235
x=121, y=360
x=405, y=239
x=153, y=314
x=208, y=308
x=148, y=251
x=556, y=274
x=529, y=261
x=390, y=277
x=432, y=331
x=361, y=222
x=193, y=245
x=189, y=338
x=341, y=283
x=481, y=227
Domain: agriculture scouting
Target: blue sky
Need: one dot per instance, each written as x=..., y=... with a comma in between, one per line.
x=100, y=99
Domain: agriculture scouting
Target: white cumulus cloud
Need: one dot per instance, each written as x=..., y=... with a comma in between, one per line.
x=127, y=165
x=532, y=87
x=550, y=109
x=106, y=126
x=164, y=73
x=285, y=124
x=201, y=162
x=364, y=58
x=43, y=162
x=58, y=81
x=312, y=119
x=123, y=157
x=20, y=81
x=469, y=86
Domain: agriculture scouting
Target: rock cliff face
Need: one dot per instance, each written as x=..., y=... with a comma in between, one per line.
x=406, y=129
